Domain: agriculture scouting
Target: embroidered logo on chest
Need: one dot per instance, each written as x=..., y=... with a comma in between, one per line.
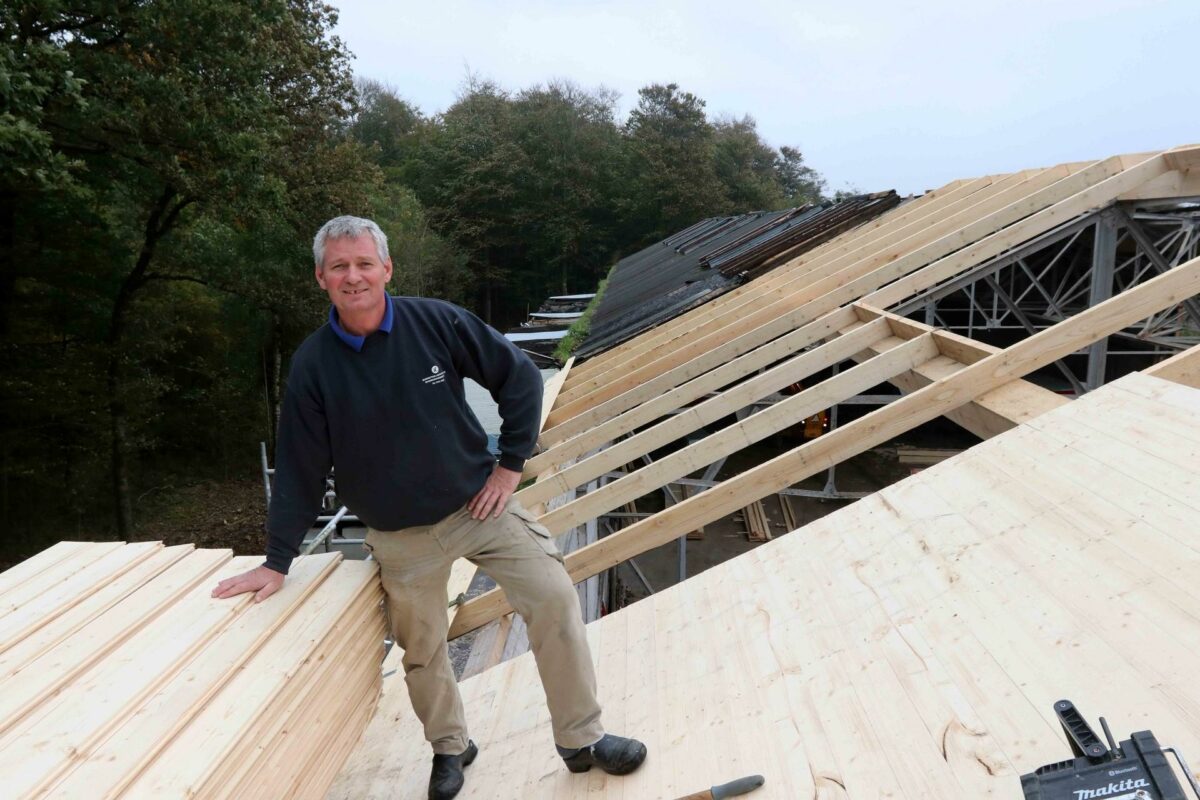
x=436, y=376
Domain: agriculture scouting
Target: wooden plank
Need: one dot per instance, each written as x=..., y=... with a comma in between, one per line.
x=910, y=273
x=552, y=388
x=754, y=428
x=337, y=665
x=919, y=237
x=113, y=763
x=790, y=520
x=38, y=748
x=54, y=576
x=1152, y=385
x=758, y=528
x=217, y=728
x=325, y=764
x=988, y=415
x=1182, y=368
x=19, y=573
x=1184, y=158
x=1091, y=198
x=78, y=644
x=1171, y=185
x=794, y=275
x=868, y=431
x=720, y=362
x=793, y=370
x=53, y=601
x=918, y=211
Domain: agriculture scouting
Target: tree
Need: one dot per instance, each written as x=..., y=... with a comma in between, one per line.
x=387, y=122
x=671, y=163
x=570, y=138
x=194, y=116
x=746, y=166
x=799, y=183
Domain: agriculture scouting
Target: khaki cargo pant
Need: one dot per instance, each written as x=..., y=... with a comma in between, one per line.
x=519, y=555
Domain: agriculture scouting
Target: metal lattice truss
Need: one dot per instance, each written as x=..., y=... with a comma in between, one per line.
x=1056, y=259
x=1081, y=263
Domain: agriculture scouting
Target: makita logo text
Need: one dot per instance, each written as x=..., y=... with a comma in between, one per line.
x=1104, y=791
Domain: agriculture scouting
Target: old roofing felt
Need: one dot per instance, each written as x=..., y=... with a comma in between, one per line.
x=708, y=259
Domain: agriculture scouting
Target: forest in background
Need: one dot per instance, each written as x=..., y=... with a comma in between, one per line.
x=163, y=167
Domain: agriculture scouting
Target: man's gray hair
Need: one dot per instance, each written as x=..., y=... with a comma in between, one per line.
x=352, y=227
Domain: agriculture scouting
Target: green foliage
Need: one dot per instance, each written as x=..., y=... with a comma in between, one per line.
x=541, y=189
x=580, y=327
x=163, y=167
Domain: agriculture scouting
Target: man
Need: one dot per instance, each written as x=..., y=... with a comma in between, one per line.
x=377, y=392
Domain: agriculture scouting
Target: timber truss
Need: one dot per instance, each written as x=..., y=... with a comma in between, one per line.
x=1052, y=260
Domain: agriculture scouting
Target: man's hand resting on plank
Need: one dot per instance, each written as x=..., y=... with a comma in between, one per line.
x=263, y=581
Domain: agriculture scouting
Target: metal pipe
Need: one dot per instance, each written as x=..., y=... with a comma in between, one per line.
x=329, y=528
x=266, y=471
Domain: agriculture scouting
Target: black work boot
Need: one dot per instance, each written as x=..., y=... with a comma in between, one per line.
x=446, y=780
x=616, y=755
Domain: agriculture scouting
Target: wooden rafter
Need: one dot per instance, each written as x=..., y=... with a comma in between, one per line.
x=920, y=268
x=923, y=405
x=754, y=428
x=671, y=328
x=711, y=381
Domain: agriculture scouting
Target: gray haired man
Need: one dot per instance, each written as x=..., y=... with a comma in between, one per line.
x=378, y=393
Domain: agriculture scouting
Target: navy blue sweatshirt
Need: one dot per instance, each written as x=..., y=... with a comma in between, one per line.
x=393, y=421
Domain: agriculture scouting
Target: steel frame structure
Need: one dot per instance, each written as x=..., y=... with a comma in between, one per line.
x=1073, y=267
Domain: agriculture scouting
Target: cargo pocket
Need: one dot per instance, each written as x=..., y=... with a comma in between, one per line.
x=539, y=532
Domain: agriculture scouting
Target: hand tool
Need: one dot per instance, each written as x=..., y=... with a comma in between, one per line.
x=731, y=789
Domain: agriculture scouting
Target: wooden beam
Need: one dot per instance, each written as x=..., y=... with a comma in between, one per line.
x=869, y=431
x=873, y=249
x=754, y=428
x=552, y=388
x=1181, y=368
x=662, y=404
x=986, y=416
x=840, y=251
x=793, y=370
x=1063, y=200
x=1165, y=187
x=689, y=320
x=1089, y=199
x=1184, y=158
x=819, y=328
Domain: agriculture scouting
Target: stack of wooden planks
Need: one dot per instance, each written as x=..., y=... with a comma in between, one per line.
x=758, y=525
x=120, y=676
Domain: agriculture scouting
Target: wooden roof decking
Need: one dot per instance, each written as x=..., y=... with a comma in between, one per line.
x=907, y=646
x=121, y=677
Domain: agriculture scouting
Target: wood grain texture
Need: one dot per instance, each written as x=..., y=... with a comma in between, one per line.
x=908, y=646
x=120, y=676
x=923, y=405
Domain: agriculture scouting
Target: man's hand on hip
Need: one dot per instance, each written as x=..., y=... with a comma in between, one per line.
x=493, y=497
x=263, y=581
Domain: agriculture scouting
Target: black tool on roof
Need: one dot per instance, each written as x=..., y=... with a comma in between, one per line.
x=1137, y=770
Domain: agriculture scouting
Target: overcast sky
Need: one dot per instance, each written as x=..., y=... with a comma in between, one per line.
x=876, y=94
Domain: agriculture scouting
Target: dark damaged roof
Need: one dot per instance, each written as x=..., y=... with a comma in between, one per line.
x=710, y=258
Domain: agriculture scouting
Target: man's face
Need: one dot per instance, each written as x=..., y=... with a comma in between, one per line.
x=353, y=276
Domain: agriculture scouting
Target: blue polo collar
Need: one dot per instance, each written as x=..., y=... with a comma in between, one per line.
x=356, y=342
